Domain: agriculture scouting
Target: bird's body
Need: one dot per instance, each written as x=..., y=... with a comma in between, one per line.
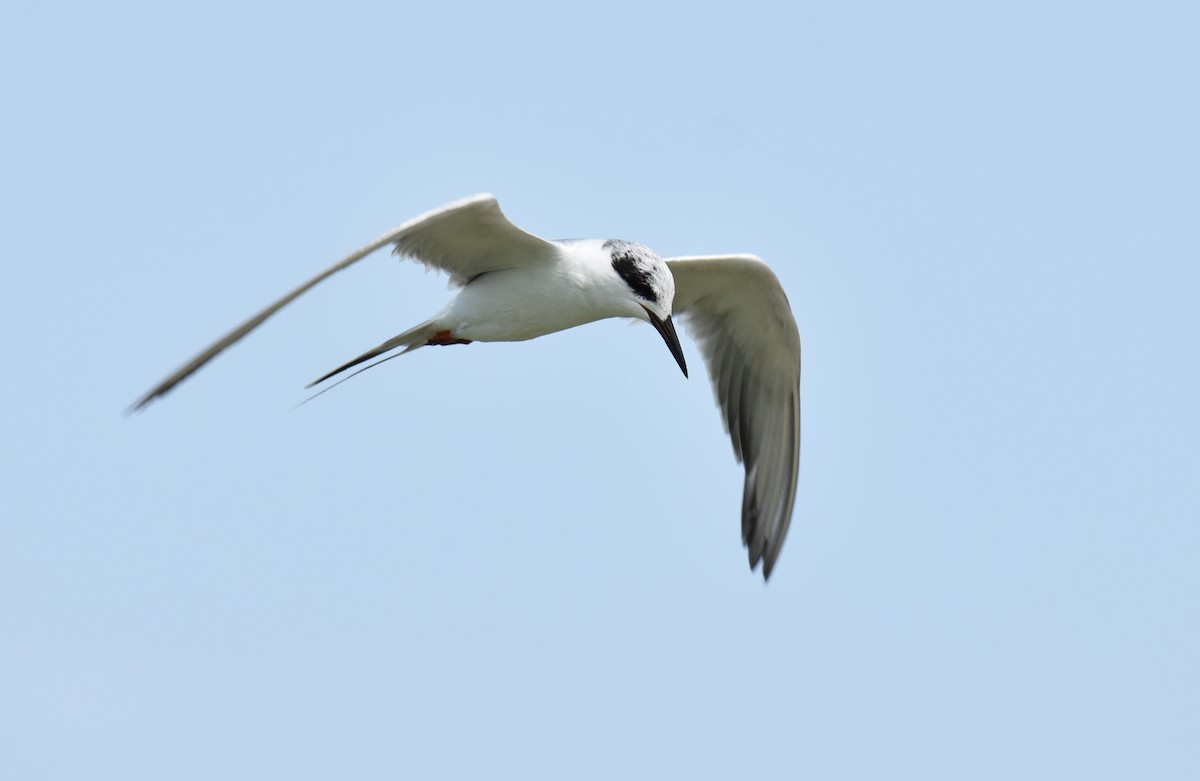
x=529, y=301
x=516, y=286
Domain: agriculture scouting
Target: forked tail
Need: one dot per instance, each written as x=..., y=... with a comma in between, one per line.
x=409, y=340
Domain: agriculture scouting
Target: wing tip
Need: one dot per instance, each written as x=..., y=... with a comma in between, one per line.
x=765, y=554
x=143, y=401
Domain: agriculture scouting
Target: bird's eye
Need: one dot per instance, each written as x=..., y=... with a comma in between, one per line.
x=636, y=275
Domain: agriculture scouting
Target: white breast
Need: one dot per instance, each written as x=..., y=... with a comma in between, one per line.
x=530, y=301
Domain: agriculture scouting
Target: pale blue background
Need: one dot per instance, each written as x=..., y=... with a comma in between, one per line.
x=522, y=561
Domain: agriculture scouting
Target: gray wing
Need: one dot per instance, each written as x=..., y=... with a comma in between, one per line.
x=735, y=309
x=465, y=239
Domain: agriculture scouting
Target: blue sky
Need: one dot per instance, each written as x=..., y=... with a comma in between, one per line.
x=523, y=561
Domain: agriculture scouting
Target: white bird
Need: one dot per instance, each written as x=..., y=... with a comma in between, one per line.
x=517, y=286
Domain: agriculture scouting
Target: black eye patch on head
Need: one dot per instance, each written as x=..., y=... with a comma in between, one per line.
x=633, y=268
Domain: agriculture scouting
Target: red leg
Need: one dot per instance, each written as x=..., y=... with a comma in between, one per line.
x=443, y=338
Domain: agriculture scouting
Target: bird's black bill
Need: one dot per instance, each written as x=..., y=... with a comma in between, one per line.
x=667, y=329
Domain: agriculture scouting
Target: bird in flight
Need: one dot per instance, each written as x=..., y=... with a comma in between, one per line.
x=516, y=286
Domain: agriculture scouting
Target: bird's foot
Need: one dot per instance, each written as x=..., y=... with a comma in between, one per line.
x=443, y=338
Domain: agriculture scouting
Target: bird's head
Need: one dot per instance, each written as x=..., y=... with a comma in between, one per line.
x=651, y=289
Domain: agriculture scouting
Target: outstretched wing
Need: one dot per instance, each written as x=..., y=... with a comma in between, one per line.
x=735, y=309
x=465, y=239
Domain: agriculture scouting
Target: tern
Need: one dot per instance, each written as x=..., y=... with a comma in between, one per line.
x=516, y=286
